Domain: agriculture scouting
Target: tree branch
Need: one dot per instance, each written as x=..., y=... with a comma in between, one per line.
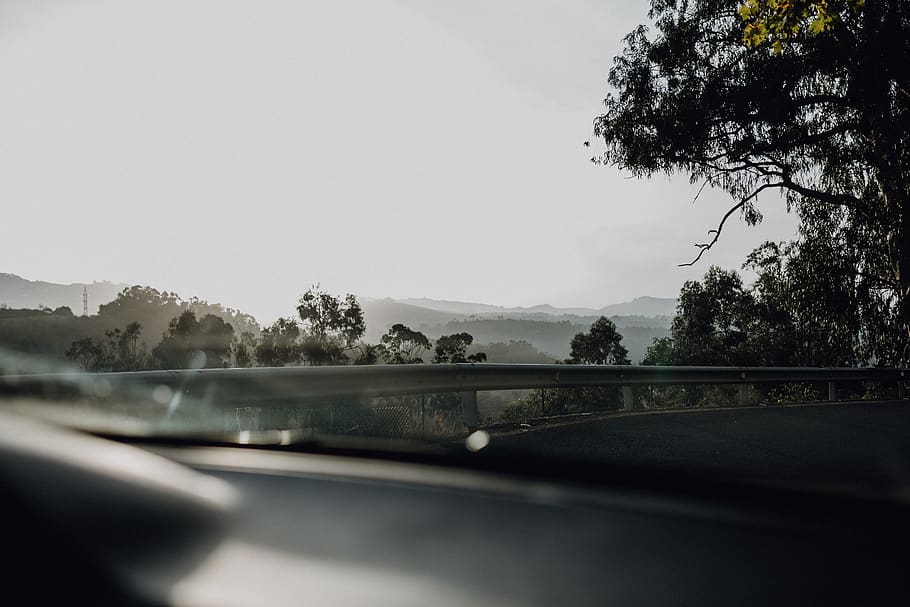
x=739, y=205
x=826, y=197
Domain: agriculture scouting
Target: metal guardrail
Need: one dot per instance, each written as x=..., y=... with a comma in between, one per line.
x=264, y=387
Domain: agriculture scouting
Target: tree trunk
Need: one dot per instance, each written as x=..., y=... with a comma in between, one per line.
x=877, y=79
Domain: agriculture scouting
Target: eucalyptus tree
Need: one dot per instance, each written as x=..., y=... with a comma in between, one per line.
x=601, y=345
x=810, y=100
x=403, y=345
x=454, y=349
x=330, y=326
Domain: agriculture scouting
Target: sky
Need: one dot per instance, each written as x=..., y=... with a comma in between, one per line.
x=243, y=151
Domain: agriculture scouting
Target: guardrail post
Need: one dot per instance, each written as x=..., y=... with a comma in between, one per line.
x=743, y=394
x=423, y=414
x=469, y=409
x=832, y=391
x=627, y=402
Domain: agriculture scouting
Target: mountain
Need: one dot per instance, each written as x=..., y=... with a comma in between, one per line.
x=380, y=314
x=466, y=308
x=542, y=333
x=545, y=328
x=640, y=306
x=18, y=292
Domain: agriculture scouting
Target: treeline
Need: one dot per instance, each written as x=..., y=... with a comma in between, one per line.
x=810, y=305
x=326, y=330
x=49, y=334
x=554, y=338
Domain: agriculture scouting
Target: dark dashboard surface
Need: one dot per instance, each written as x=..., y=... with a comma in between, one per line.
x=239, y=526
x=385, y=539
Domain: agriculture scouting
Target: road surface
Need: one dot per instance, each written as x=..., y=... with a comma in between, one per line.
x=865, y=443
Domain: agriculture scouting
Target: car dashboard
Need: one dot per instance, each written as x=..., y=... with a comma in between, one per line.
x=100, y=521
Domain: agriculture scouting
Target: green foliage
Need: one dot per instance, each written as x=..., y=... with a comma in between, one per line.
x=660, y=353
x=192, y=343
x=370, y=354
x=778, y=22
x=404, y=346
x=601, y=345
x=824, y=124
x=328, y=316
x=118, y=350
x=244, y=349
x=453, y=349
x=278, y=345
x=549, y=337
x=814, y=305
x=712, y=322
x=330, y=327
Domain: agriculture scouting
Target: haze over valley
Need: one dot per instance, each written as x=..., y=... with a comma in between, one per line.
x=545, y=330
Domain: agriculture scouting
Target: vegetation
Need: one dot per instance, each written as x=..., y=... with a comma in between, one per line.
x=454, y=349
x=822, y=118
x=601, y=345
x=195, y=344
x=806, y=99
x=404, y=346
x=552, y=339
x=118, y=350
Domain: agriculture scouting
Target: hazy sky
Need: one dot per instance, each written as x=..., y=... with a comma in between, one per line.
x=241, y=151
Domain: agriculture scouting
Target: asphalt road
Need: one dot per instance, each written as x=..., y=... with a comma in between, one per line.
x=857, y=443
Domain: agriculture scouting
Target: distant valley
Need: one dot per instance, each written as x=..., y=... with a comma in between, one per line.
x=546, y=329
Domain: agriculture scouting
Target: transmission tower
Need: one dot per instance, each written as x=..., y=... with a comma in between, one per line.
x=84, y=301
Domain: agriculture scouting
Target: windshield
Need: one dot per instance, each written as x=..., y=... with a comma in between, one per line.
x=466, y=224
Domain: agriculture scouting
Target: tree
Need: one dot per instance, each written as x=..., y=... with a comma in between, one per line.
x=777, y=22
x=824, y=119
x=127, y=341
x=810, y=309
x=601, y=345
x=404, y=346
x=453, y=349
x=138, y=302
x=244, y=349
x=660, y=353
x=118, y=350
x=278, y=345
x=330, y=326
x=370, y=354
x=711, y=326
x=89, y=352
x=195, y=343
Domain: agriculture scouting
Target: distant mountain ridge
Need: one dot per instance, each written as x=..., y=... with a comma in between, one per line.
x=640, y=306
x=546, y=328
x=18, y=292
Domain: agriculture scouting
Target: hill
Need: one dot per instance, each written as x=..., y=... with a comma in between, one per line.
x=380, y=314
x=48, y=333
x=546, y=329
x=18, y=292
x=640, y=306
x=523, y=334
